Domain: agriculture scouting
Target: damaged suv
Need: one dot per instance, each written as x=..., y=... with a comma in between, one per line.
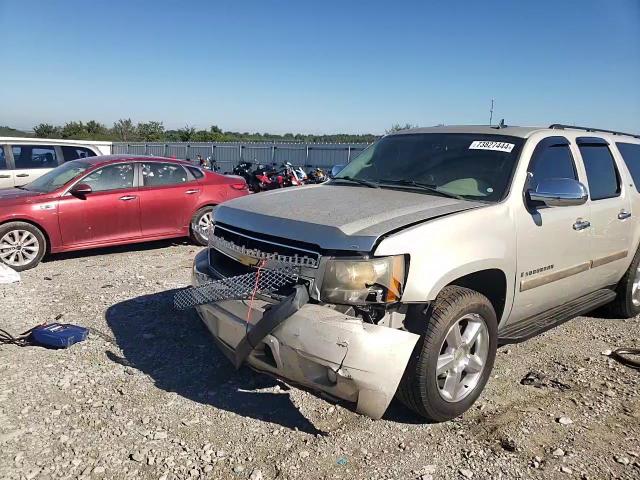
x=403, y=274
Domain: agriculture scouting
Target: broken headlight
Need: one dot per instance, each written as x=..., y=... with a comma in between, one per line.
x=361, y=282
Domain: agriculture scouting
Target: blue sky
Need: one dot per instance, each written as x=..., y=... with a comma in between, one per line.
x=321, y=67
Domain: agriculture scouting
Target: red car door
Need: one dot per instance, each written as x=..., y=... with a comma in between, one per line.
x=109, y=214
x=168, y=198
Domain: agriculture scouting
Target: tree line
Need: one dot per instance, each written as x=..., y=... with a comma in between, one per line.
x=125, y=130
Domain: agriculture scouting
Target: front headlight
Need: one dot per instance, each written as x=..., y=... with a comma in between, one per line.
x=359, y=282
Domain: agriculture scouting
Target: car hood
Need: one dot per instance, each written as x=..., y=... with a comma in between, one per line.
x=336, y=217
x=15, y=196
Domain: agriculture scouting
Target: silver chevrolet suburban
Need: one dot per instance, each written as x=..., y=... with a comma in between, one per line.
x=403, y=274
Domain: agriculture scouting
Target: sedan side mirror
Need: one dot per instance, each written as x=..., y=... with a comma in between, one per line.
x=559, y=192
x=81, y=189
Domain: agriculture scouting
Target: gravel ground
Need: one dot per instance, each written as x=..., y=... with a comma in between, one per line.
x=149, y=396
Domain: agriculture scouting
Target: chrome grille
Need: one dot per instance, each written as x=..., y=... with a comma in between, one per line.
x=251, y=250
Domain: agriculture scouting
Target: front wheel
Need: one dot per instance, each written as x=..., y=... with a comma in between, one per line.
x=201, y=225
x=453, y=359
x=22, y=245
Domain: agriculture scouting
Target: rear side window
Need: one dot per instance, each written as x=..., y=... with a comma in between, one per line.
x=196, y=172
x=74, y=153
x=551, y=161
x=631, y=154
x=602, y=173
x=3, y=161
x=34, y=156
x=160, y=174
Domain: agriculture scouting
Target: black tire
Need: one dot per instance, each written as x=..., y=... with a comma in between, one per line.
x=196, y=234
x=7, y=230
x=622, y=306
x=419, y=388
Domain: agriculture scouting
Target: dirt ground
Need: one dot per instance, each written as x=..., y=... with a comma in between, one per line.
x=149, y=396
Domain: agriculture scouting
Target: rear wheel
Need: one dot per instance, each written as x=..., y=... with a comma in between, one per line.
x=201, y=225
x=627, y=301
x=453, y=359
x=22, y=245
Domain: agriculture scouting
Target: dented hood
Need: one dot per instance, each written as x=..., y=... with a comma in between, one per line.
x=335, y=217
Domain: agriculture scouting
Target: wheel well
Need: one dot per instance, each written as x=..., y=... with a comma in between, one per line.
x=491, y=283
x=44, y=232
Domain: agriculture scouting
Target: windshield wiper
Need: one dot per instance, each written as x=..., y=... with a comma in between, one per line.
x=422, y=186
x=21, y=188
x=359, y=181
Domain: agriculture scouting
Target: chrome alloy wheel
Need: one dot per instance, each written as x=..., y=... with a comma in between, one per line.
x=18, y=248
x=635, y=289
x=206, y=221
x=463, y=356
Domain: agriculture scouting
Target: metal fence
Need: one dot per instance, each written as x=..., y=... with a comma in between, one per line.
x=228, y=155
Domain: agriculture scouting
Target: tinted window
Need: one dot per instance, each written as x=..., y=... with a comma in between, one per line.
x=3, y=161
x=74, y=153
x=553, y=161
x=156, y=174
x=113, y=177
x=631, y=154
x=602, y=174
x=34, y=156
x=196, y=172
x=474, y=166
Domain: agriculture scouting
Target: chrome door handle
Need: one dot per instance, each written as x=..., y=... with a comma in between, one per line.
x=5, y=176
x=191, y=192
x=126, y=198
x=21, y=175
x=623, y=215
x=581, y=224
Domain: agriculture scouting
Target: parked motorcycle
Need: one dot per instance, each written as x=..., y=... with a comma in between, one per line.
x=317, y=175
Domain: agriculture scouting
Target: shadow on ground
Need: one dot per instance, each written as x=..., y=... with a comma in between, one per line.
x=176, y=350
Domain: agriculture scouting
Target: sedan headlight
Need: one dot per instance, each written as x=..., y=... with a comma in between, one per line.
x=360, y=282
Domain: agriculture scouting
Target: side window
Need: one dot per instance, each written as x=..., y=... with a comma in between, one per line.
x=112, y=177
x=74, y=153
x=551, y=161
x=196, y=172
x=34, y=156
x=602, y=174
x=158, y=174
x=631, y=154
x=3, y=161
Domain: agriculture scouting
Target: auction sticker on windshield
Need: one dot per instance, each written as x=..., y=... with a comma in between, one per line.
x=490, y=145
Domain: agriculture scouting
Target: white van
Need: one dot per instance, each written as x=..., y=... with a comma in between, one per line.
x=22, y=160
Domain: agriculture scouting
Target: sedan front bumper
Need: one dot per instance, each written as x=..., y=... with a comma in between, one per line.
x=316, y=347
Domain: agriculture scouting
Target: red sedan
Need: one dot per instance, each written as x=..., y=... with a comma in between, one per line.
x=109, y=200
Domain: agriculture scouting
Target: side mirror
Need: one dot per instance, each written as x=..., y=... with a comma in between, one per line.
x=335, y=170
x=559, y=192
x=81, y=189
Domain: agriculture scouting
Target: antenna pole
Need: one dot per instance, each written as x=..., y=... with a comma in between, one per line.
x=491, y=113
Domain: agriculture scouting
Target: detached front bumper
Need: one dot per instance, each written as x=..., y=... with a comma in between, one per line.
x=316, y=347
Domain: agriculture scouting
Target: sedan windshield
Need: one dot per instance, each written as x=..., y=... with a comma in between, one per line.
x=458, y=165
x=57, y=177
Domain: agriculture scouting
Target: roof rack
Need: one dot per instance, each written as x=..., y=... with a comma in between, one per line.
x=561, y=126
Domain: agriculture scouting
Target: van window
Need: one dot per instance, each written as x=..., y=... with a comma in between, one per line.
x=631, y=154
x=3, y=161
x=34, y=156
x=602, y=173
x=74, y=153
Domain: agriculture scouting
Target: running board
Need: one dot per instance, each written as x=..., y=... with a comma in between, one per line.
x=532, y=326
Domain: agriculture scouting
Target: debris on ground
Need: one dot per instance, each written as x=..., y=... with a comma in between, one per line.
x=150, y=396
